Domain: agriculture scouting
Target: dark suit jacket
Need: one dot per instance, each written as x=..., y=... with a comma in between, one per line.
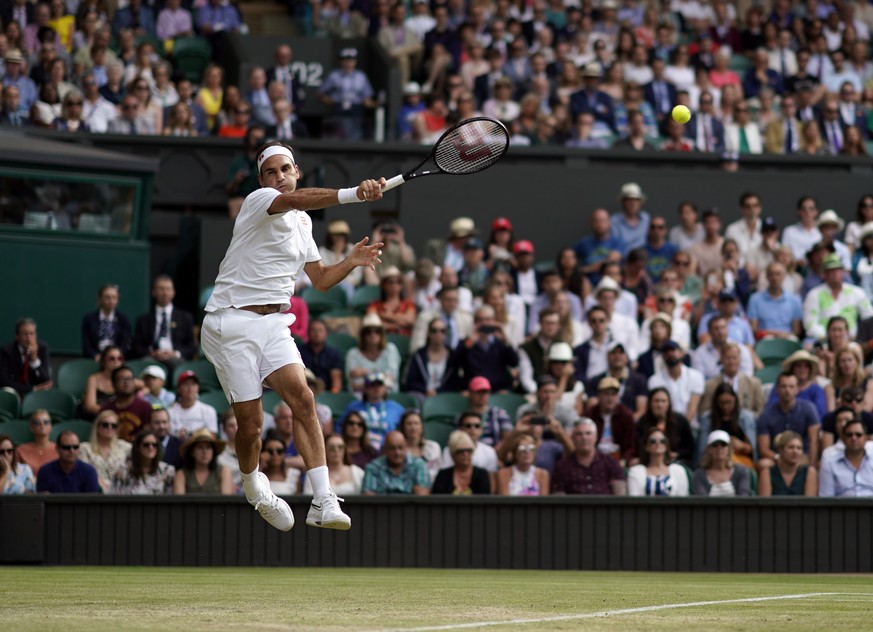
x=91, y=329
x=6, y=11
x=298, y=130
x=11, y=365
x=603, y=109
x=181, y=334
x=717, y=132
x=298, y=94
x=171, y=453
x=6, y=120
x=865, y=336
x=649, y=95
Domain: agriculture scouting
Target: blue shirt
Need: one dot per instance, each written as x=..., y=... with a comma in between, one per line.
x=775, y=314
x=220, y=18
x=322, y=363
x=381, y=418
x=739, y=330
x=26, y=90
x=840, y=478
x=379, y=478
x=82, y=479
x=814, y=394
x=774, y=420
x=659, y=259
x=593, y=250
x=632, y=236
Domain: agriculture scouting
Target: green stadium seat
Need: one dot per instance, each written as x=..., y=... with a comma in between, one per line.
x=321, y=302
x=138, y=366
x=444, y=407
x=404, y=399
x=363, y=296
x=510, y=402
x=205, y=372
x=337, y=402
x=191, y=56
x=10, y=406
x=205, y=295
x=401, y=341
x=342, y=342
x=773, y=352
x=216, y=399
x=739, y=63
x=438, y=431
x=768, y=374
x=73, y=375
x=18, y=431
x=59, y=404
x=81, y=428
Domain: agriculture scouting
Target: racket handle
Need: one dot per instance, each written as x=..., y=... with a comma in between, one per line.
x=396, y=181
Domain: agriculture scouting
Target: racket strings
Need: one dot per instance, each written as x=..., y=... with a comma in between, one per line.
x=471, y=147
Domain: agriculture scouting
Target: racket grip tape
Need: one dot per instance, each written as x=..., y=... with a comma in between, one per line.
x=396, y=181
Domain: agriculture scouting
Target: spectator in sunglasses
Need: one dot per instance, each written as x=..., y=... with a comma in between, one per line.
x=41, y=450
x=104, y=450
x=462, y=477
x=484, y=455
x=67, y=474
x=849, y=474
x=145, y=474
x=852, y=398
x=656, y=474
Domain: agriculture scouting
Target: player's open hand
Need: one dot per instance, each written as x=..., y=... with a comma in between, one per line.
x=370, y=190
x=367, y=255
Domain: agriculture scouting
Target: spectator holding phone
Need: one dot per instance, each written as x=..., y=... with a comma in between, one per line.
x=485, y=352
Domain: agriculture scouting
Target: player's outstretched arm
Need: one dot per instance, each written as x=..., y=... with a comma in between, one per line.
x=312, y=198
x=325, y=277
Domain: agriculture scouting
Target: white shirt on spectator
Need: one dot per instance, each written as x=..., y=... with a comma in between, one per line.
x=189, y=420
x=800, y=240
x=680, y=332
x=740, y=233
x=626, y=304
x=707, y=359
x=690, y=383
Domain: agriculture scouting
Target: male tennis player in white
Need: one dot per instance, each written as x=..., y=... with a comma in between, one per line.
x=245, y=332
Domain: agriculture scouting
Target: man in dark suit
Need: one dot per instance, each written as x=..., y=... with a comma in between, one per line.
x=831, y=125
x=160, y=424
x=288, y=127
x=24, y=364
x=166, y=333
x=20, y=11
x=660, y=93
x=483, y=84
x=704, y=129
x=105, y=326
x=591, y=99
x=284, y=74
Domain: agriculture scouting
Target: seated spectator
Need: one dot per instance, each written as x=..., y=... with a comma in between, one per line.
x=105, y=326
x=396, y=312
x=486, y=353
x=98, y=386
x=174, y=21
x=773, y=312
x=288, y=126
x=655, y=474
x=525, y=277
x=282, y=427
x=726, y=414
x=660, y=414
x=633, y=387
x=496, y=423
x=547, y=404
x=830, y=225
x=834, y=297
x=521, y=477
x=462, y=477
x=354, y=433
x=747, y=387
x=665, y=304
x=104, y=450
x=67, y=475
x=166, y=333
x=201, y=473
x=396, y=471
x=346, y=478
x=160, y=425
x=837, y=339
x=804, y=366
x=718, y=475
x=848, y=373
x=615, y=422
x=684, y=385
x=133, y=412
x=382, y=415
x=139, y=18
x=586, y=470
x=412, y=428
x=621, y=327
x=215, y=17
x=145, y=474
x=284, y=480
x=789, y=412
x=473, y=274
x=180, y=123
x=25, y=364
x=552, y=286
x=592, y=100
x=738, y=329
x=14, y=63
x=767, y=252
x=15, y=477
x=211, y=94
x=637, y=134
x=707, y=357
x=849, y=474
x=501, y=104
x=676, y=140
x=40, y=451
x=852, y=399
x=374, y=354
x=532, y=353
x=154, y=377
x=325, y=361
x=335, y=248
x=189, y=414
x=582, y=135
x=484, y=455
x=13, y=115
x=789, y=476
x=559, y=365
x=660, y=331
x=228, y=457
x=432, y=369
x=409, y=111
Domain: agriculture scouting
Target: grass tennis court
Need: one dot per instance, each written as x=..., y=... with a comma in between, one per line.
x=112, y=598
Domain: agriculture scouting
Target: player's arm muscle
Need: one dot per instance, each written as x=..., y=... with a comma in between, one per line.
x=308, y=199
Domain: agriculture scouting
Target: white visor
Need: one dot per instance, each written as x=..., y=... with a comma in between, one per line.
x=275, y=150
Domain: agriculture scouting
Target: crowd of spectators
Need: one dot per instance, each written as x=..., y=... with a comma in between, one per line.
x=704, y=359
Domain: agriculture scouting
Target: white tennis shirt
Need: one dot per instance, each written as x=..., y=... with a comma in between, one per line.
x=265, y=256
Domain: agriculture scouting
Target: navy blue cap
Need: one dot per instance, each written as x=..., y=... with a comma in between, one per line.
x=670, y=345
x=474, y=243
x=768, y=223
x=727, y=295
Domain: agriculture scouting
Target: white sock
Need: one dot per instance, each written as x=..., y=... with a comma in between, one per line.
x=250, y=483
x=320, y=480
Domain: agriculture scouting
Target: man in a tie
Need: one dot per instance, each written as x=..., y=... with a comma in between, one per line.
x=24, y=364
x=660, y=93
x=782, y=135
x=706, y=130
x=165, y=334
x=831, y=125
x=287, y=126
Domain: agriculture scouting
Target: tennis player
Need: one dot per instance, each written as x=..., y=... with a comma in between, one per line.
x=245, y=332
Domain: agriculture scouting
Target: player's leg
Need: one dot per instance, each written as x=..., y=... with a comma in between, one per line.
x=290, y=383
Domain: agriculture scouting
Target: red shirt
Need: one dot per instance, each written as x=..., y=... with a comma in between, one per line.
x=571, y=477
x=130, y=419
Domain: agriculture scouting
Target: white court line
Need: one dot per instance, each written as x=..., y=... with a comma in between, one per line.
x=612, y=613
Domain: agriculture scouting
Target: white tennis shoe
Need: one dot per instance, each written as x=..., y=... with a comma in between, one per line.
x=325, y=512
x=272, y=508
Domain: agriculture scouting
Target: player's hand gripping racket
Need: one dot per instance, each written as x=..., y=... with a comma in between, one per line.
x=471, y=146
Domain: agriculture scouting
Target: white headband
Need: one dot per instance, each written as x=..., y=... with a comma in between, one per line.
x=274, y=150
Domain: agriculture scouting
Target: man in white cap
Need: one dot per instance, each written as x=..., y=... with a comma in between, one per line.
x=621, y=327
x=803, y=235
x=829, y=225
x=631, y=224
x=450, y=252
x=245, y=332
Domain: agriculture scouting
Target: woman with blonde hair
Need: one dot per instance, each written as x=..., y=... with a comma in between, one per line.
x=789, y=476
x=718, y=475
x=463, y=478
x=211, y=93
x=811, y=143
x=521, y=477
x=848, y=372
x=148, y=107
x=104, y=450
x=345, y=477
x=181, y=122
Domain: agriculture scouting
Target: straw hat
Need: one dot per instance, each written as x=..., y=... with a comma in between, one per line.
x=801, y=355
x=201, y=436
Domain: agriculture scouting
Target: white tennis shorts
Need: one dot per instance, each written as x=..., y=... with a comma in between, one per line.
x=246, y=347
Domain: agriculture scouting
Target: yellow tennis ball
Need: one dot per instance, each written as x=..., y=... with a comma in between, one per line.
x=681, y=114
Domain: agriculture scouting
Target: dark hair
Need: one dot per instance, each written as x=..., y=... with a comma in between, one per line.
x=852, y=422
x=711, y=212
x=123, y=367
x=637, y=254
x=347, y=460
x=14, y=462
x=597, y=308
x=137, y=467
x=551, y=272
x=365, y=442
x=189, y=457
x=468, y=413
x=446, y=288
x=688, y=204
x=804, y=198
x=272, y=435
x=835, y=319
x=106, y=351
x=746, y=195
x=644, y=455
x=851, y=392
x=406, y=415
x=731, y=423
x=66, y=433
x=21, y=322
x=648, y=420
x=784, y=374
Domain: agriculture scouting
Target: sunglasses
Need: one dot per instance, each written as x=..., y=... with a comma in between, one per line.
x=338, y=447
x=468, y=426
x=107, y=424
x=41, y=422
x=7, y=450
x=857, y=400
x=526, y=448
x=464, y=451
x=719, y=444
x=666, y=300
x=597, y=320
x=149, y=444
x=68, y=447
x=657, y=442
x=273, y=451
x=438, y=331
x=683, y=264
x=853, y=435
x=352, y=424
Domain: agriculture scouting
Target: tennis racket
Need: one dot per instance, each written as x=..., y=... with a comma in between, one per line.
x=470, y=146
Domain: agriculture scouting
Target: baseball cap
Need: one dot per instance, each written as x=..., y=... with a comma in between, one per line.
x=348, y=53
x=501, y=223
x=412, y=87
x=727, y=295
x=153, y=370
x=522, y=246
x=560, y=352
x=374, y=377
x=768, y=223
x=718, y=435
x=607, y=284
x=185, y=376
x=480, y=383
x=473, y=244
x=608, y=383
x=615, y=344
x=670, y=345
x=462, y=227
x=833, y=262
